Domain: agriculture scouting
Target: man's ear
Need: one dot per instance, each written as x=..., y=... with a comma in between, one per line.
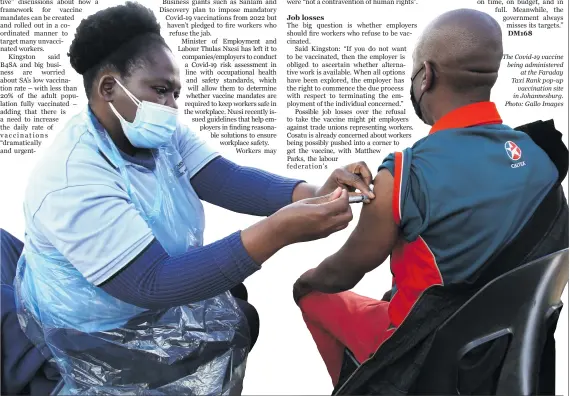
x=427, y=81
x=106, y=88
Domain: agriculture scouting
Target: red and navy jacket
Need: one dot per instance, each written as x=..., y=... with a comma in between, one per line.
x=460, y=194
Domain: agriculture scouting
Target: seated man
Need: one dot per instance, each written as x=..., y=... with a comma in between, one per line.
x=443, y=207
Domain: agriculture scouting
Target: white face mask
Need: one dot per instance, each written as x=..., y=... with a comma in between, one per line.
x=153, y=126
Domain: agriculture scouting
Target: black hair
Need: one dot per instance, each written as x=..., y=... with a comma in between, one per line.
x=118, y=38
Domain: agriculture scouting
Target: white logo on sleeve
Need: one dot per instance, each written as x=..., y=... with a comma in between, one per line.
x=180, y=169
x=515, y=154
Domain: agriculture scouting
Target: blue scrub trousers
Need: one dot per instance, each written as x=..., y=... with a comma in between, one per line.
x=25, y=370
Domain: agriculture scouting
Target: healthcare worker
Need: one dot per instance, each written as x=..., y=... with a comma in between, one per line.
x=114, y=277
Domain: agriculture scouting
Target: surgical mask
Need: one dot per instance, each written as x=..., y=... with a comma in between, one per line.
x=416, y=104
x=153, y=126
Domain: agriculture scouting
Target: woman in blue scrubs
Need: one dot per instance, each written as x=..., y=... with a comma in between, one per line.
x=114, y=275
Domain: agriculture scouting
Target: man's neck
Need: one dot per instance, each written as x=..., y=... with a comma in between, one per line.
x=454, y=103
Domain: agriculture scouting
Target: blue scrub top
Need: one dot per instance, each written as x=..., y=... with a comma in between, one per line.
x=76, y=204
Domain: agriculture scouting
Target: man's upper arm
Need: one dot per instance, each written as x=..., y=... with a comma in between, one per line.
x=95, y=227
x=374, y=237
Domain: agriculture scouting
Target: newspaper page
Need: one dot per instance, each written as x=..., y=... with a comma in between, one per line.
x=294, y=87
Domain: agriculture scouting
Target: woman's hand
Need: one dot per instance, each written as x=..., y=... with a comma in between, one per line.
x=304, y=220
x=314, y=218
x=352, y=177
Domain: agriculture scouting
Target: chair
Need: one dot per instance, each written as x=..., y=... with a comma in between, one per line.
x=501, y=341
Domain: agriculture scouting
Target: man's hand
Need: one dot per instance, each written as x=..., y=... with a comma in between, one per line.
x=352, y=177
